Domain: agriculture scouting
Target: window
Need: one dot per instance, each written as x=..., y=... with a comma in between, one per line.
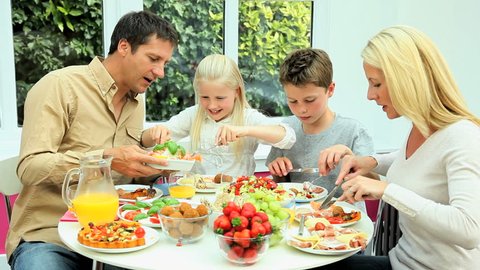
x=50, y=36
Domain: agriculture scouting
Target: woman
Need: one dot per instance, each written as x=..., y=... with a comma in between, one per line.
x=434, y=179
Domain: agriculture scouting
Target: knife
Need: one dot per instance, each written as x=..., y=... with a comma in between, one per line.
x=327, y=202
x=305, y=170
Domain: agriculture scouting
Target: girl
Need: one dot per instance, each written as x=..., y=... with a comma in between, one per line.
x=222, y=116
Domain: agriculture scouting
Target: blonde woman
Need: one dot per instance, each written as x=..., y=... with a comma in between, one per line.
x=222, y=116
x=434, y=179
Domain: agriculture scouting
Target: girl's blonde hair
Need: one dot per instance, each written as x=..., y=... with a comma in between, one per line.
x=419, y=82
x=220, y=69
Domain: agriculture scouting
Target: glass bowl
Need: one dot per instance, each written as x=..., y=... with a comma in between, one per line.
x=279, y=228
x=244, y=251
x=181, y=224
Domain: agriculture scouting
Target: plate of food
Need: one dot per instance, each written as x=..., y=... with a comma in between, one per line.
x=341, y=214
x=175, y=154
x=128, y=237
x=133, y=193
x=203, y=183
x=321, y=237
x=305, y=192
x=145, y=213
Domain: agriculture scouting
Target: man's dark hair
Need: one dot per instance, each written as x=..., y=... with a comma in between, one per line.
x=138, y=27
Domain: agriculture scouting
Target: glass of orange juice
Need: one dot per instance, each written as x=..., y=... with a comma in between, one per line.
x=179, y=185
x=98, y=208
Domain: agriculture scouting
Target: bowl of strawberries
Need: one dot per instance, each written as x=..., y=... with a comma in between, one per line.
x=242, y=233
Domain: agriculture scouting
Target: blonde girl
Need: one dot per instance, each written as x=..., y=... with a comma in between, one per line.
x=222, y=116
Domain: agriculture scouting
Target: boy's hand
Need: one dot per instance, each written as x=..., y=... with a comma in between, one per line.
x=280, y=166
x=330, y=157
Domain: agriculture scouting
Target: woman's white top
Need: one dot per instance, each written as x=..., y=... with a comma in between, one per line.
x=437, y=193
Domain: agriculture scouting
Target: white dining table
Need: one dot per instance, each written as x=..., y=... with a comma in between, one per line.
x=205, y=253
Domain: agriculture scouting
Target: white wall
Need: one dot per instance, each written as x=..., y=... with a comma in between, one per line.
x=453, y=26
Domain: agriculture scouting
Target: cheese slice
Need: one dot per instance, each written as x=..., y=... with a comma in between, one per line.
x=310, y=223
x=345, y=238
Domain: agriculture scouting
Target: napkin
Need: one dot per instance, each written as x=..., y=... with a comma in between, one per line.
x=69, y=216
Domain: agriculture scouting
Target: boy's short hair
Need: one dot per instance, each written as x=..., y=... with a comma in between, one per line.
x=305, y=66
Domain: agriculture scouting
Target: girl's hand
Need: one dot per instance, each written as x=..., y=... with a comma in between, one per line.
x=330, y=157
x=228, y=133
x=155, y=135
x=353, y=166
x=280, y=166
x=362, y=188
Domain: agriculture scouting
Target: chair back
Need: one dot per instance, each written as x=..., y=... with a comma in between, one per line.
x=387, y=230
x=9, y=182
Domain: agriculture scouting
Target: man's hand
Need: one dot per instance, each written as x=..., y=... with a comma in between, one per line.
x=131, y=161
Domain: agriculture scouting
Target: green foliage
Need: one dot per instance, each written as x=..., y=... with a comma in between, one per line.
x=48, y=35
x=52, y=34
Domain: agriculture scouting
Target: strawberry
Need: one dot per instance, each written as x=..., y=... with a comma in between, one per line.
x=262, y=215
x=235, y=252
x=250, y=255
x=248, y=210
x=231, y=206
x=221, y=224
x=268, y=227
x=242, y=238
x=240, y=223
x=257, y=230
x=255, y=219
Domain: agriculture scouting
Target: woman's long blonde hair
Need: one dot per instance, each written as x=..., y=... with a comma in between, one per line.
x=223, y=70
x=419, y=82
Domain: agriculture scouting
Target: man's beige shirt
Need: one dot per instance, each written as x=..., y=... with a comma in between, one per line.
x=68, y=113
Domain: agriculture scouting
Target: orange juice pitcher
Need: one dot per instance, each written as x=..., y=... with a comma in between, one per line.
x=96, y=199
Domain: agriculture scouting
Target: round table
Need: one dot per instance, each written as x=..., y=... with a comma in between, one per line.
x=203, y=254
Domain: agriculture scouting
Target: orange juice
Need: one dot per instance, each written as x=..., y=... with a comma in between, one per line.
x=181, y=192
x=95, y=207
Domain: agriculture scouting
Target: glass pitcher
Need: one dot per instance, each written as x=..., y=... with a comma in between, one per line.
x=96, y=199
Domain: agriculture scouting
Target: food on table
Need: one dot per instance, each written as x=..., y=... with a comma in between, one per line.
x=335, y=214
x=308, y=191
x=185, y=222
x=117, y=234
x=146, y=213
x=242, y=233
x=172, y=150
x=138, y=193
x=220, y=177
x=321, y=235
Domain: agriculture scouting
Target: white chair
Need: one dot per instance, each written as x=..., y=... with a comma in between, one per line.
x=9, y=184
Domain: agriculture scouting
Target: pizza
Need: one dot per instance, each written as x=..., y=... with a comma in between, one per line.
x=117, y=234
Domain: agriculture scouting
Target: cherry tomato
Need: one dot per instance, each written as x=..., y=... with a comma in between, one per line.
x=130, y=215
x=335, y=220
x=140, y=232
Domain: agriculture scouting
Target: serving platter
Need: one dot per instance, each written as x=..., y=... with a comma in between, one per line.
x=302, y=197
x=131, y=188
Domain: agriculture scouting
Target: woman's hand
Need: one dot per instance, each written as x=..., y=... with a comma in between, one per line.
x=280, y=166
x=353, y=166
x=330, y=157
x=362, y=188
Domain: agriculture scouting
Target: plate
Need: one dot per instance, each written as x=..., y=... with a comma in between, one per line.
x=299, y=186
x=211, y=187
x=175, y=165
x=346, y=207
x=151, y=237
x=294, y=231
x=146, y=221
x=130, y=188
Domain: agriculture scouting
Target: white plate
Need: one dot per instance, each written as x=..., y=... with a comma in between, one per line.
x=299, y=186
x=346, y=207
x=130, y=188
x=175, y=165
x=151, y=237
x=146, y=221
x=211, y=187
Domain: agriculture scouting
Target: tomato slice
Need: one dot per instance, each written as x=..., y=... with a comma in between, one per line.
x=140, y=232
x=335, y=220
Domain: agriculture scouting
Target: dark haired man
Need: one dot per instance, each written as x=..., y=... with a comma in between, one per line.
x=84, y=110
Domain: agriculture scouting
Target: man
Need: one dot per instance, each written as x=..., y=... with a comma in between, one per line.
x=84, y=110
